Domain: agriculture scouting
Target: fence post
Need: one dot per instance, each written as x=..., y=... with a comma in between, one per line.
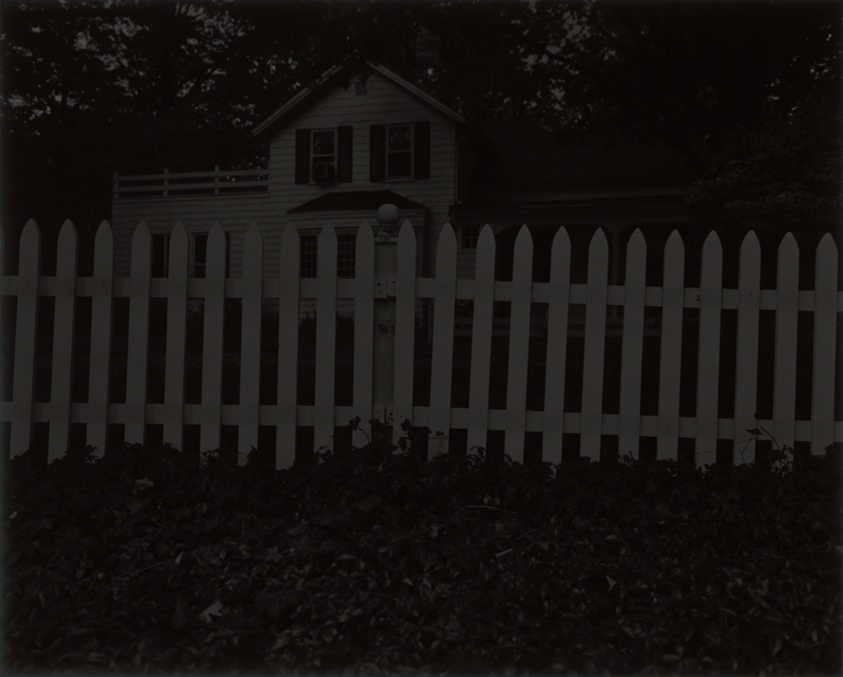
x=386, y=257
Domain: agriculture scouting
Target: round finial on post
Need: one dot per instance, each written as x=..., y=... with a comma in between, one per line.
x=388, y=214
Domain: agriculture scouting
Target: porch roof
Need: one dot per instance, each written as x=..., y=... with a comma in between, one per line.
x=355, y=199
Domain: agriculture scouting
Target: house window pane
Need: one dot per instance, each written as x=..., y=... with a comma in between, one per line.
x=470, y=235
x=200, y=254
x=160, y=255
x=307, y=256
x=345, y=255
x=323, y=155
x=399, y=151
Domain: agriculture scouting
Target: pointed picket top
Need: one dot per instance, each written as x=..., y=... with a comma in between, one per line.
x=141, y=251
x=68, y=243
x=104, y=251
x=674, y=249
x=788, y=251
x=637, y=246
x=750, y=254
x=289, y=236
x=30, y=249
x=486, y=246
x=826, y=257
x=406, y=232
x=179, y=248
x=447, y=243
x=253, y=245
x=597, y=248
x=825, y=345
x=712, y=259
x=215, y=266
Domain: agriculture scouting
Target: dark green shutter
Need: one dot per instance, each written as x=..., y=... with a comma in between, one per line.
x=377, y=153
x=421, y=136
x=344, y=144
x=302, y=155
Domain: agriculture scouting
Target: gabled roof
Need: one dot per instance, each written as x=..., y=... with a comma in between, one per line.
x=329, y=76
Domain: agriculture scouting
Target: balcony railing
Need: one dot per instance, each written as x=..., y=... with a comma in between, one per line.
x=182, y=184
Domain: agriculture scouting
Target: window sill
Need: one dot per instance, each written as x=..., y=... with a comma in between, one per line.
x=405, y=179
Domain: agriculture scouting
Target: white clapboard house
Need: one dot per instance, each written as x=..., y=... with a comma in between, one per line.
x=351, y=142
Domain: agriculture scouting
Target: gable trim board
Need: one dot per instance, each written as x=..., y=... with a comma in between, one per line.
x=333, y=73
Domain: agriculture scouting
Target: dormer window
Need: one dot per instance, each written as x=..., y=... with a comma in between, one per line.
x=399, y=152
x=323, y=156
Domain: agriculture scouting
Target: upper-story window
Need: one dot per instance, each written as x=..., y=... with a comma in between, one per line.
x=399, y=152
x=324, y=155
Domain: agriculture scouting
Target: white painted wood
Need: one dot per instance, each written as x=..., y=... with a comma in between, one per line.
x=443, y=341
x=670, y=359
x=138, y=334
x=405, y=328
x=250, y=343
x=746, y=366
x=632, y=344
x=176, y=336
x=326, y=322
x=825, y=345
x=288, y=348
x=481, y=340
x=787, y=306
x=64, y=325
x=595, y=339
x=519, y=345
x=557, y=346
x=99, y=376
x=26, y=337
x=364, y=325
x=708, y=355
x=212, y=342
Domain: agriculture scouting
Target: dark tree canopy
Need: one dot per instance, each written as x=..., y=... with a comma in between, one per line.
x=747, y=92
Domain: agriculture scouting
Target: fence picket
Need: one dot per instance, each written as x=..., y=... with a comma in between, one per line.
x=212, y=341
x=481, y=339
x=364, y=322
x=519, y=346
x=557, y=347
x=746, y=367
x=405, y=328
x=787, y=307
x=595, y=339
x=250, y=343
x=632, y=344
x=708, y=356
x=288, y=348
x=63, y=334
x=138, y=350
x=326, y=332
x=825, y=345
x=26, y=337
x=443, y=340
x=176, y=336
x=670, y=363
x=100, y=359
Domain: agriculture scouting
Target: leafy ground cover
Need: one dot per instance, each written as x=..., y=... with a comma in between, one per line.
x=376, y=561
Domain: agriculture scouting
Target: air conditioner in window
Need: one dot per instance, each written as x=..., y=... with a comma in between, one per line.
x=324, y=171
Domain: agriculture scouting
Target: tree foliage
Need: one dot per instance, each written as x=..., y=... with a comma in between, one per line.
x=90, y=87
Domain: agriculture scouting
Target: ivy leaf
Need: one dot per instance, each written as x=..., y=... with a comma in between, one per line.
x=214, y=610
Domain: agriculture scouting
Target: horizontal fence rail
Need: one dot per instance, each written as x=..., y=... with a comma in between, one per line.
x=385, y=295
x=171, y=184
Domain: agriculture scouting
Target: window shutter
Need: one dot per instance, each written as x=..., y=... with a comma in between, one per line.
x=302, y=155
x=377, y=153
x=421, y=136
x=344, y=144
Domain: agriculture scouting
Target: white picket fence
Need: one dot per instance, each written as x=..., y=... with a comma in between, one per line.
x=385, y=293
